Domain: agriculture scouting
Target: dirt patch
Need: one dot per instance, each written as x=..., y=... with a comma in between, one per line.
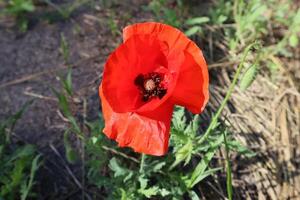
x=30, y=64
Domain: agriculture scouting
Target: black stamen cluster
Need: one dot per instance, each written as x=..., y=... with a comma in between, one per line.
x=157, y=91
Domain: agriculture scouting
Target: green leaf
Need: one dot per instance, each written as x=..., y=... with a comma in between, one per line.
x=197, y=20
x=120, y=171
x=64, y=107
x=193, y=195
x=179, y=120
x=297, y=17
x=124, y=195
x=248, y=77
x=71, y=154
x=143, y=182
x=293, y=40
x=164, y=192
x=183, y=154
x=199, y=173
x=235, y=145
x=34, y=167
x=24, y=151
x=27, y=6
x=158, y=166
x=64, y=48
x=149, y=192
x=193, y=30
x=67, y=83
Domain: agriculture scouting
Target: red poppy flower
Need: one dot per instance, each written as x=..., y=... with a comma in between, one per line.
x=155, y=68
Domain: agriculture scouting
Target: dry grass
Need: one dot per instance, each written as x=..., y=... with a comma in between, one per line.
x=266, y=118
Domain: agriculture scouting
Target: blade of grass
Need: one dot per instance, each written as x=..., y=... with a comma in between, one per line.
x=228, y=168
x=228, y=94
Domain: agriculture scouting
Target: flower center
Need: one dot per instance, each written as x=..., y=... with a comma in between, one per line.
x=150, y=86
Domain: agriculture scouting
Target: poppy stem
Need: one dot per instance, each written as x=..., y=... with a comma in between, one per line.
x=215, y=118
x=142, y=163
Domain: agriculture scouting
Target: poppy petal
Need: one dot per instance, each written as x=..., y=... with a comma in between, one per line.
x=177, y=42
x=189, y=88
x=138, y=55
x=144, y=132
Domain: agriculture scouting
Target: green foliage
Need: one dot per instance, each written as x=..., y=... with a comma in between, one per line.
x=63, y=11
x=19, y=9
x=64, y=48
x=195, y=24
x=18, y=163
x=71, y=154
x=228, y=168
x=164, y=13
x=113, y=26
x=237, y=23
x=200, y=171
x=122, y=176
x=248, y=77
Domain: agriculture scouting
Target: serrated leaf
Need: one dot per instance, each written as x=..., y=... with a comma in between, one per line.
x=178, y=119
x=197, y=20
x=235, y=145
x=158, y=166
x=183, y=154
x=150, y=191
x=199, y=173
x=248, y=77
x=195, y=123
x=24, y=151
x=163, y=192
x=143, y=182
x=119, y=170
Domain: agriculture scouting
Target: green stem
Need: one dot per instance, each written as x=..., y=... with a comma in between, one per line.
x=142, y=163
x=230, y=90
x=228, y=169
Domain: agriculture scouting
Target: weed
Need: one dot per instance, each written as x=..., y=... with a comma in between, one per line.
x=19, y=9
x=240, y=23
x=18, y=163
x=166, y=11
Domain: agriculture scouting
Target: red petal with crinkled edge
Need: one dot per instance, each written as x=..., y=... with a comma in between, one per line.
x=138, y=55
x=189, y=88
x=144, y=132
x=177, y=42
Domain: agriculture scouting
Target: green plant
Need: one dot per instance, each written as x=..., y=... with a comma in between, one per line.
x=121, y=175
x=163, y=12
x=63, y=11
x=18, y=163
x=19, y=9
x=236, y=23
